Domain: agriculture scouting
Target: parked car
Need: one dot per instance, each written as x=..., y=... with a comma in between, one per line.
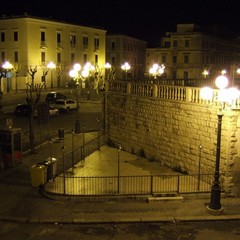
x=52, y=97
x=65, y=104
x=52, y=112
x=22, y=109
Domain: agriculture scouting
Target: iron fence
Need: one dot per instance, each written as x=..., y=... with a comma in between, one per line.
x=68, y=161
x=66, y=184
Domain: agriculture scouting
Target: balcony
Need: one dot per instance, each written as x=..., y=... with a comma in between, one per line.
x=43, y=45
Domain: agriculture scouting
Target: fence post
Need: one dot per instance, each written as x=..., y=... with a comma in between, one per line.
x=155, y=90
x=119, y=149
x=151, y=184
x=178, y=183
x=73, y=152
x=128, y=87
x=83, y=135
x=98, y=122
x=189, y=94
x=64, y=184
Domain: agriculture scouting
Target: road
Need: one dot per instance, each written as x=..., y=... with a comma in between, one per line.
x=135, y=231
x=90, y=112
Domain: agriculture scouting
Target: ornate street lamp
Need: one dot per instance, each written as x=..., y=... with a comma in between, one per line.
x=51, y=66
x=78, y=75
x=126, y=67
x=108, y=77
x=156, y=70
x=8, y=66
x=225, y=96
x=107, y=72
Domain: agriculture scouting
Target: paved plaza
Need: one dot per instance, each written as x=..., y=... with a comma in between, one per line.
x=22, y=202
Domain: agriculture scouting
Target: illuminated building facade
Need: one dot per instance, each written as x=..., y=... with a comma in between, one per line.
x=28, y=41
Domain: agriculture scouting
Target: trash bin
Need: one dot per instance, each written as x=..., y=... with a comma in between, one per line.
x=52, y=167
x=38, y=175
x=61, y=133
x=48, y=171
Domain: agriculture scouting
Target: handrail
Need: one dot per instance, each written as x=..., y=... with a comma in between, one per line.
x=162, y=91
x=129, y=185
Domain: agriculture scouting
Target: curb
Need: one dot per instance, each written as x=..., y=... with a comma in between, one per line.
x=106, y=220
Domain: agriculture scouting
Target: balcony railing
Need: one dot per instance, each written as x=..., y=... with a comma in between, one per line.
x=162, y=91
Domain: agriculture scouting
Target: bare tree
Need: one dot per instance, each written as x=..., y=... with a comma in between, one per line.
x=33, y=92
x=2, y=74
x=44, y=74
x=59, y=72
x=16, y=70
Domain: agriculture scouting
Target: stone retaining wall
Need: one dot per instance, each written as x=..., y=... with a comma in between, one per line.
x=179, y=134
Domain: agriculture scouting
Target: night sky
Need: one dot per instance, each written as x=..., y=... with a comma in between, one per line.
x=144, y=19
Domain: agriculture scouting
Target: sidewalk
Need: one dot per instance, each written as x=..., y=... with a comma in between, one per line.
x=21, y=202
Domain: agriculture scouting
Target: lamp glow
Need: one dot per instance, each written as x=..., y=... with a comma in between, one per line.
x=206, y=93
x=77, y=67
x=221, y=82
x=7, y=65
x=157, y=70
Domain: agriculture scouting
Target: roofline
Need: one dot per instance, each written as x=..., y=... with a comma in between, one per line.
x=26, y=15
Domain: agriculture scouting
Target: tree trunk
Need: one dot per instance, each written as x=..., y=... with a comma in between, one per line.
x=31, y=133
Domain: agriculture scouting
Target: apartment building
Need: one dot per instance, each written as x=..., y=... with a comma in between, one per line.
x=190, y=50
x=29, y=42
x=121, y=49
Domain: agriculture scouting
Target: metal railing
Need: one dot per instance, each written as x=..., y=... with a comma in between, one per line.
x=68, y=161
x=66, y=183
x=130, y=185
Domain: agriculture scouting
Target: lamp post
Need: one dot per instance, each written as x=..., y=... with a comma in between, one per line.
x=83, y=149
x=98, y=123
x=77, y=76
x=8, y=66
x=225, y=96
x=108, y=77
x=107, y=71
x=73, y=152
x=51, y=66
x=156, y=70
x=126, y=67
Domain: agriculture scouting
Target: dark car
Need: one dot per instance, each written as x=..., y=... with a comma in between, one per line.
x=52, y=97
x=22, y=109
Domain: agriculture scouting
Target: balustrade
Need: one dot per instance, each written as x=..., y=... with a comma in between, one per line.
x=162, y=91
